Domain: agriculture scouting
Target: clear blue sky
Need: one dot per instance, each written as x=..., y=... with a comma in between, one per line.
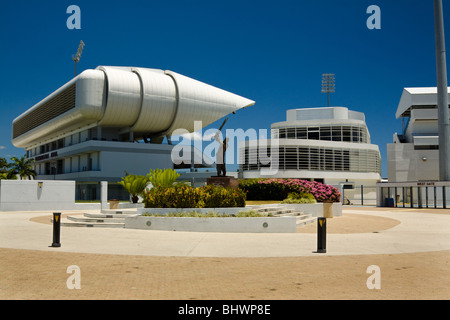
x=273, y=52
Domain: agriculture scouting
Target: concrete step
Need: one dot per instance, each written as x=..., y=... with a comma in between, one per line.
x=70, y=223
x=268, y=209
x=95, y=219
x=108, y=215
x=119, y=211
x=290, y=213
x=276, y=210
x=305, y=221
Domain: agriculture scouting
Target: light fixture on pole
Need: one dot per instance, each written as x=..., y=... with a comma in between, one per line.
x=76, y=58
x=328, y=85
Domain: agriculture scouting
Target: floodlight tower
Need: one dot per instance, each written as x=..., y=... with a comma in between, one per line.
x=76, y=58
x=442, y=94
x=328, y=85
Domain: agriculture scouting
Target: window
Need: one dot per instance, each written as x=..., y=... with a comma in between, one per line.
x=346, y=134
x=314, y=159
x=336, y=134
x=325, y=133
x=303, y=158
x=291, y=158
x=301, y=133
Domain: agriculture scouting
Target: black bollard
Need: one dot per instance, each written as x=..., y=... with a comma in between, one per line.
x=56, y=229
x=321, y=235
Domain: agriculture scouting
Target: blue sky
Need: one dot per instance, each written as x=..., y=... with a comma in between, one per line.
x=273, y=52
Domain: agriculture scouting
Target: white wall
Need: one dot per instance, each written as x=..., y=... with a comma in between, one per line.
x=407, y=164
x=23, y=195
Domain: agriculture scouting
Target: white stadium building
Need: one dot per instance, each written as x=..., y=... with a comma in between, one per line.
x=414, y=153
x=88, y=130
x=330, y=145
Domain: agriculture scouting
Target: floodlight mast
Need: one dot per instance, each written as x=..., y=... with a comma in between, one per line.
x=76, y=58
x=328, y=85
x=442, y=94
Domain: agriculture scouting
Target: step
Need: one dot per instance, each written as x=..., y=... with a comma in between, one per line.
x=272, y=208
x=290, y=213
x=69, y=223
x=108, y=215
x=305, y=221
x=95, y=219
x=119, y=211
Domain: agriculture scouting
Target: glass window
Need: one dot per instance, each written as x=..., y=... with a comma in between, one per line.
x=313, y=133
x=346, y=134
x=303, y=158
x=290, y=133
x=325, y=133
x=336, y=134
x=301, y=133
x=314, y=159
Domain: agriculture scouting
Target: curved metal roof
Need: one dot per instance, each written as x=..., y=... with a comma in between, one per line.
x=144, y=101
x=411, y=97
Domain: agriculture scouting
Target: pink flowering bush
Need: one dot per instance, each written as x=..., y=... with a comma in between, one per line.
x=278, y=189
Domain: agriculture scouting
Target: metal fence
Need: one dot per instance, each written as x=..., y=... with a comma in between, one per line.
x=359, y=195
x=414, y=195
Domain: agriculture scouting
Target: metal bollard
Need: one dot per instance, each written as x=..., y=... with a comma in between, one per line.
x=56, y=229
x=321, y=235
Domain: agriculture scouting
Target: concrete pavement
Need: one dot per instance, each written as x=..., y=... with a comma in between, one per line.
x=417, y=232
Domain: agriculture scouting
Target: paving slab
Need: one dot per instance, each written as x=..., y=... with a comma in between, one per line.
x=416, y=232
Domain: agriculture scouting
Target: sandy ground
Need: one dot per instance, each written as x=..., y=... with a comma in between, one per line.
x=41, y=275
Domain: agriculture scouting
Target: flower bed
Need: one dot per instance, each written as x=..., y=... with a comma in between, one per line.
x=278, y=189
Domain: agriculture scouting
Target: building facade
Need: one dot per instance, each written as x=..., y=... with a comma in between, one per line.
x=110, y=121
x=414, y=154
x=329, y=145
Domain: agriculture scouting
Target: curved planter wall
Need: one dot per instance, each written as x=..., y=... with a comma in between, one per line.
x=226, y=224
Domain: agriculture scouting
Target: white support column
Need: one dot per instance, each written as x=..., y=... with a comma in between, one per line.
x=104, y=194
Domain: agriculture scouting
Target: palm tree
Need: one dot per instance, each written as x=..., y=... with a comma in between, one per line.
x=6, y=172
x=135, y=185
x=23, y=167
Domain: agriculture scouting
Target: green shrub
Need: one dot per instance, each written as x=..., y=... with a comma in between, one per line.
x=134, y=185
x=299, y=197
x=196, y=214
x=184, y=196
x=162, y=178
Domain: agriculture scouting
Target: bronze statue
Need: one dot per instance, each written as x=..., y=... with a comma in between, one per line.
x=220, y=155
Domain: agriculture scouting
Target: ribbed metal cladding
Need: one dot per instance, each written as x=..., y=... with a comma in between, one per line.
x=56, y=106
x=314, y=158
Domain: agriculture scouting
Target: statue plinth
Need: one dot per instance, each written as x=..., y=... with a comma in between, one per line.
x=226, y=182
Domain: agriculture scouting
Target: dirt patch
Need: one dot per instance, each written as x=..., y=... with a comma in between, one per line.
x=48, y=219
x=43, y=275
x=353, y=223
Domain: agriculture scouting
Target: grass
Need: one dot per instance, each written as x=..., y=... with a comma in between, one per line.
x=97, y=201
x=195, y=214
x=261, y=202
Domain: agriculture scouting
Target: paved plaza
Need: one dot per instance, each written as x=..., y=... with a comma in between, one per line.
x=410, y=246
